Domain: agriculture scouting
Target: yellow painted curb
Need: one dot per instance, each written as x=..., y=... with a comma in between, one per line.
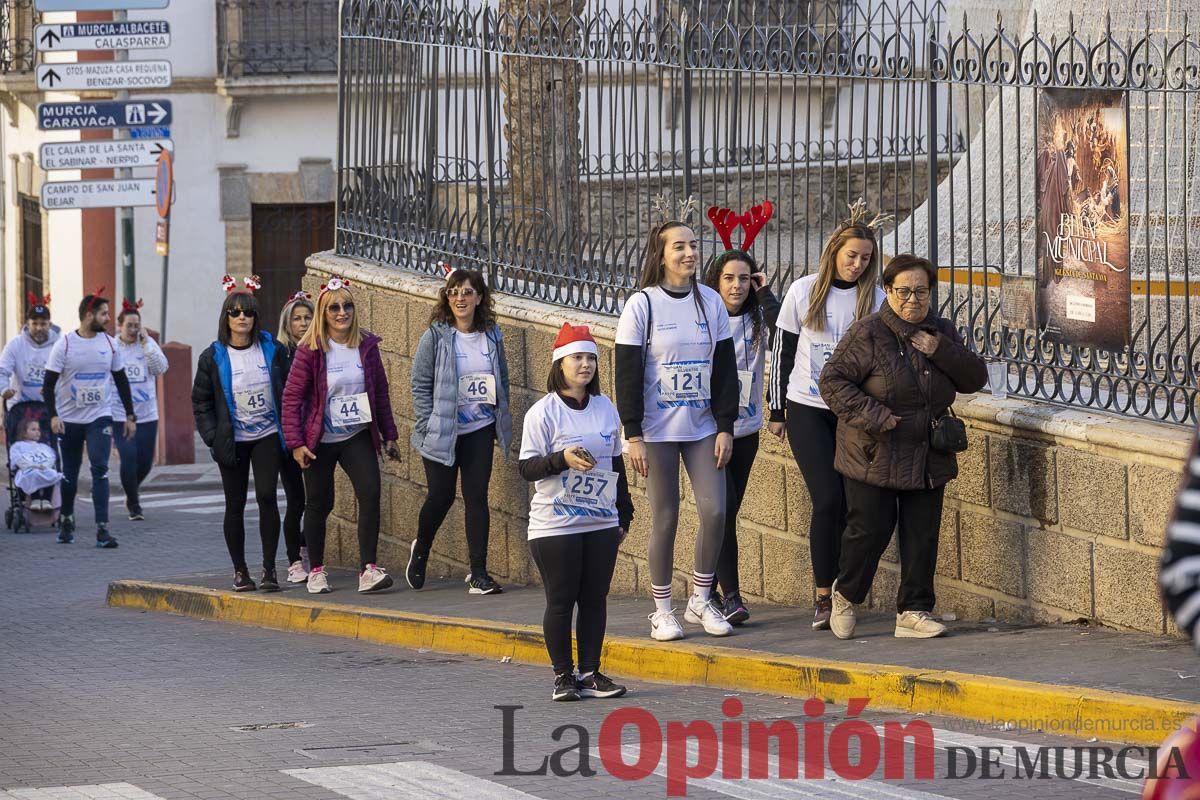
x=1070, y=710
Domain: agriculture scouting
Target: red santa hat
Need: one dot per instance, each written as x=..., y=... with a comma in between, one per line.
x=573, y=339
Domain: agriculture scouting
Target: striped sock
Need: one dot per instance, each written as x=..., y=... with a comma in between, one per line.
x=702, y=584
x=662, y=598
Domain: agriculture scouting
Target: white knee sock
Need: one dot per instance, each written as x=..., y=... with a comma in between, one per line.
x=662, y=598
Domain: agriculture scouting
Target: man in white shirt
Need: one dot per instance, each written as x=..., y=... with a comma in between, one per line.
x=23, y=362
x=78, y=395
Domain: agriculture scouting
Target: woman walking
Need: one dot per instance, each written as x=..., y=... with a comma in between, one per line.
x=581, y=509
x=460, y=397
x=677, y=393
x=336, y=411
x=752, y=308
x=817, y=311
x=144, y=361
x=236, y=401
x=294, y=319
x=891, y=382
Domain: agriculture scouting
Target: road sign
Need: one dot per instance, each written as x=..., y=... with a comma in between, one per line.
x=151, y=132
x=104, y=75
x=148, y=35
x=164, y=183
x=103, y=154
x=99, y=5
x=114, y=114
x=162, y=237
x=59, y=195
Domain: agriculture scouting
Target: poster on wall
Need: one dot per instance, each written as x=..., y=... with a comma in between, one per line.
x=1083, y=217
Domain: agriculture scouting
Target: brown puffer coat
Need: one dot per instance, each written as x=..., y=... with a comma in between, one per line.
x=866, y=381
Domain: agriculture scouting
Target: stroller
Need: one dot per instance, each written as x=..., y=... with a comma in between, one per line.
x=42, y=508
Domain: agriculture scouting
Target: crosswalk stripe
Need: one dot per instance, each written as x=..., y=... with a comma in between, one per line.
x=94, y=791
x=412, y=780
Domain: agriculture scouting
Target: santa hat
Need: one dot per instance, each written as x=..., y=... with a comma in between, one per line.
x=573, y=339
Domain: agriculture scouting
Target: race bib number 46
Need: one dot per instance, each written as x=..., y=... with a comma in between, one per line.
x=596, y=488
x=350, y=409
x=687, y=381
x=479, y=387
x=89, y=395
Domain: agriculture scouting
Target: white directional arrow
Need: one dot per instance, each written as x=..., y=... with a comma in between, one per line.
x=156, y=113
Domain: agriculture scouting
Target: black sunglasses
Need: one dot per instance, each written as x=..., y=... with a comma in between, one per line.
x=337, y=308
x=234, y=313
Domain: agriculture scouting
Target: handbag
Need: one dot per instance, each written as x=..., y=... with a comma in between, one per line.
x=947, y=433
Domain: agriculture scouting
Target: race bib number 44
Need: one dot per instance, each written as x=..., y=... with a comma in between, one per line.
x=479, y=387
x=596, y=488
x=350, y=409
x=685, y=381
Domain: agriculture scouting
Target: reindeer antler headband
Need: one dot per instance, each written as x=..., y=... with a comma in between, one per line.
x=752, y=222
x=128, y=307
x=858, y=213
x=251, y=284
x=335, y=283
x=34, y=301
x=665, y=207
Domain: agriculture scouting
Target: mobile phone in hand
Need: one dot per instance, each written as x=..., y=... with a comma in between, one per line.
x=583, y=453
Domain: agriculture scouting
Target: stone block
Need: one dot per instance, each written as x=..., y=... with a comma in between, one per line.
x=1023, y=478
x=418, y=313
x=508, y=491
x=497, y=549
x=948, y=561
x=519, y=402
x=770, y=445
x=1059, y=570
x=971, y=485
x=405, y=501
x=1127, y=588
x=389, y=320
x=765, y=502
x=799, y=504
x=393, y=556
x=637, y=542
x=514, y=353
x=1151, y=498
x=605, y=360
x=993, y=553
x=787, y=573
x=625, y=577
x=399, y=372
x=1091, y=493
x=750, y=564
x=961, y=602
x=539, y=347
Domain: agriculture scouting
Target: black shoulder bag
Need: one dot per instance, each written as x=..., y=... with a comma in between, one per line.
x=947, y=433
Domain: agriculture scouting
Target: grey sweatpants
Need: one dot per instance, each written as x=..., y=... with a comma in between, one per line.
x=662, y=489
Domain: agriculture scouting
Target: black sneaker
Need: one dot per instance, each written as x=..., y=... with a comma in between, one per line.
x=734, y=610
x=598, y=685
x=65, y=536
x=66, y=525
x=135, y=513
x=103, y=540
x=565, y=687
x=242, y=582
x=268, y=582
x=484, y=584
x=822, y=612
x=414, y=573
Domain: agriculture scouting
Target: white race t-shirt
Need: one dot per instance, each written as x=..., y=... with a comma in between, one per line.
x=253, y=401
x=573, y=502
x=750, y=360
x=473, y=368
x=347, y=409
x=815, y=347
x=23, y=363
x=677, y=400
x=85, y=366
x=142, y=365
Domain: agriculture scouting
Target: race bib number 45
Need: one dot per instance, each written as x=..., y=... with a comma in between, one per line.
x=479, y=387
x=685, y=381
x=596, y=488
x=251, y=403
x=350, y=409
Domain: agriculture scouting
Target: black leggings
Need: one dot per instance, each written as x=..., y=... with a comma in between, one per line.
x=358, y=459
x=292, y=479
x=473, y=456
x=576, y=570
x=263, y=455
x=737, y=475
x=812, y=432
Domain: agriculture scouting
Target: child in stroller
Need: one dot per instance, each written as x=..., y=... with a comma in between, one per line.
x=34, y=478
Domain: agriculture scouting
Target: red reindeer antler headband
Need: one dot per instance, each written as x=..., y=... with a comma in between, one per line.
x=127, y=307
x=91, y=306
x=229, y=283
x=335, y=283
x=300, y=295
x=752, y=222
x=34, y=301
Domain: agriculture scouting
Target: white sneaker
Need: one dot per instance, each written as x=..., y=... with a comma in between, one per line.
x=373, y=579
x=918, y=625
x=297, y=573
x=842, y=618
x=318, y=582
x=664, y=627
x=706, y=613
x=304, y=559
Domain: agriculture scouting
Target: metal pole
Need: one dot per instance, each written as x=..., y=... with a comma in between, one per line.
x=125, y=214
x=162, y=326
x=931, y=135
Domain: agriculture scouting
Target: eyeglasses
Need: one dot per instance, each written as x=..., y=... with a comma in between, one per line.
x=234, y=313
x=465, y=291
x=337, y=308
x=905, y=293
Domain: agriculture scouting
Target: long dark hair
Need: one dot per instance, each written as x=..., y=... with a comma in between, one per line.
x=485, y=313
x=246, y=302
x=556, y=381
x=712, y=279
x=653, y=269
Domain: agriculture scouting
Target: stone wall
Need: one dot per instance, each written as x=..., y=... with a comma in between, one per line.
x=1057, y=515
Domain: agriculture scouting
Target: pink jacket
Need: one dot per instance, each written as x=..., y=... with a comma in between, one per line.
x=304, y=396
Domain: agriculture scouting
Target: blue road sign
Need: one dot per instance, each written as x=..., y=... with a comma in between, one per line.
x=98, y=5
x=150, y=133
x=86, y=115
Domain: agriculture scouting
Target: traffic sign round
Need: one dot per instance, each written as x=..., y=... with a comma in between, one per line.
x=164, y=183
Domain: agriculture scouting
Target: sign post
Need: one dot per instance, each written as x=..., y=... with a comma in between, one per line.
x=164, y=187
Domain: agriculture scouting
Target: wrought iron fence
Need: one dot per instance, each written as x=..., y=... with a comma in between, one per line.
x=529, y=141
x=276, y=37
x=17, y=50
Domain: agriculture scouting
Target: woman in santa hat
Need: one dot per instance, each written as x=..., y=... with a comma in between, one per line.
x=571, y=451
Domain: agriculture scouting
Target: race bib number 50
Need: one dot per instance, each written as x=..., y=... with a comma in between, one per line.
x=136, y=372
x=479, y=387
x=596, y=488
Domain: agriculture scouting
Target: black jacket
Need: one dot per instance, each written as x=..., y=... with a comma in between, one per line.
x=211, y=406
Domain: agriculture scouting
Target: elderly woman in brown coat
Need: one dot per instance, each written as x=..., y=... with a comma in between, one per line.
x=894, y=374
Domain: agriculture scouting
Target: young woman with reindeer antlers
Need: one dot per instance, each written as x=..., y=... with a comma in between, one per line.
x=752, y=309
x=144, y=361
x=677, y=394
x=817, y=311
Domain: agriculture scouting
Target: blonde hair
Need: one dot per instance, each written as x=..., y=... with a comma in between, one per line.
x=814, y=319
x=285, y=319
x=317, y=336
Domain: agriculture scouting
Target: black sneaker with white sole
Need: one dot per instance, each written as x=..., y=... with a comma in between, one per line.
x=734, y=609
x=484, y=584
x=414, y=573
x=565, y=687
x=103, y=540
x=242, y=582
x=268, y=582
x=66, y=526
x=596, y=684
x=135, y=513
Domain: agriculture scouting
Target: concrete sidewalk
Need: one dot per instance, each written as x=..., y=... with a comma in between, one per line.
x=1062, y=679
